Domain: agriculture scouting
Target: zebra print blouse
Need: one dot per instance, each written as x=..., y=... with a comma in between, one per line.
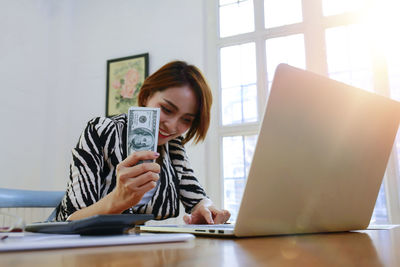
x=101, y=146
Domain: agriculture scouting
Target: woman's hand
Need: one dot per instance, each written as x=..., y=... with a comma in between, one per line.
x=206, y=213
x=133, y=181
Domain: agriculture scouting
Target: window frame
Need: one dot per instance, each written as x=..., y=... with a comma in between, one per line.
x=313, y=28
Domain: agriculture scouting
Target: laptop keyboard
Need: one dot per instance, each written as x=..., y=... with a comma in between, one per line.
x=225, y=226
x=206, y=226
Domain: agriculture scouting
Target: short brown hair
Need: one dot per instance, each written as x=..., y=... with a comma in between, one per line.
x=177, y=74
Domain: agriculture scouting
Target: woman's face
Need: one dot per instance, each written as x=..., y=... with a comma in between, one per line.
x=178, y=107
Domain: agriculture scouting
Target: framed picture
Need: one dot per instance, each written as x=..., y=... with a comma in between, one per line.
x=125, y=77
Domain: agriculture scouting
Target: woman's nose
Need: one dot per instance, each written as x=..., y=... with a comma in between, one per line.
x=172, y=125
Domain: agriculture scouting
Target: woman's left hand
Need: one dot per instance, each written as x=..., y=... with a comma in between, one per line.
x=206, y=213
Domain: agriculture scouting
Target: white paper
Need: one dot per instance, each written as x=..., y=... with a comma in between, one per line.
x=35, y=241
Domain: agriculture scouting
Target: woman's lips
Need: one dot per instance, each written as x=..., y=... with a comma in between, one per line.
x=163, y=134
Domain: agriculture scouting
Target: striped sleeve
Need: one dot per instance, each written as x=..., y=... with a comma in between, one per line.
x=85, y=176
x=190, y=190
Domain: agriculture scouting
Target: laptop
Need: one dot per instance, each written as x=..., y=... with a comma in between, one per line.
x=319, y=161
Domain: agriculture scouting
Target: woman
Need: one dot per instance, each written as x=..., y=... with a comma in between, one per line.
x=104, y=180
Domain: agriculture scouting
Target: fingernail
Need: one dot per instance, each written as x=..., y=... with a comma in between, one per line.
x=156, y=154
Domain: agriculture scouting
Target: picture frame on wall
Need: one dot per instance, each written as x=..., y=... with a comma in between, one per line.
x=125, y=77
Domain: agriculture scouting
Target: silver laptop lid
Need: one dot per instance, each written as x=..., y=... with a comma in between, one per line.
x=320, y=157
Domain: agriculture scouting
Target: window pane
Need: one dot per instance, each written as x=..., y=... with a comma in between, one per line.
x=349, y=57
x=393, y=60
x=226, y=2
x=238, y=84
x=237, y=155
x=277, y=13
x=288, y=49
x=231, y=105
x=335, y=7
x=380, y=215
x=233, y=191
x=396, y=149
x=392, y=42
x=394, y=81
x=233, y=157
x=249, y=96
x=235, y=17
x=239, y=104
x=238, y=65
x=249, y=146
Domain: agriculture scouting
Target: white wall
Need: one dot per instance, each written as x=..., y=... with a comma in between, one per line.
x=53, y=73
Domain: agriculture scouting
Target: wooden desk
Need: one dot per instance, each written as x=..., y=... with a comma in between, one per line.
x=364, y=248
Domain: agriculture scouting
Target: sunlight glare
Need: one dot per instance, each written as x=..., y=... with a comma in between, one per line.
x=382, y=19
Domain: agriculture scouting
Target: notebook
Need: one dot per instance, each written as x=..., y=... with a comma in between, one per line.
x=39, y=241
x=319, y=161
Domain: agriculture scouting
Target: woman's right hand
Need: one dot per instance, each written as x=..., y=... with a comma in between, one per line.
x=133, y=181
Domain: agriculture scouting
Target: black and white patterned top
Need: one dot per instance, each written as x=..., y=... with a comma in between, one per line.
x=101, y=146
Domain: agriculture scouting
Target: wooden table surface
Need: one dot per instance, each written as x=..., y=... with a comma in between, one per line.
x=364, y=248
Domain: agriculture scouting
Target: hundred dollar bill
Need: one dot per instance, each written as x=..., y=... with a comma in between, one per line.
x=142, y=133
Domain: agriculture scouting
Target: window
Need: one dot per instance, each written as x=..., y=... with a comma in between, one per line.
x=336, y=7
x=237, y=154
x=336, y=38
x=276, y=13
x=349, y=55
x=235, y=17
x=238, y=84
x=288, y=49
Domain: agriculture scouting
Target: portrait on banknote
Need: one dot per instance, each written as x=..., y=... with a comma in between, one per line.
x=142, y=139
x=142, y=129
x=125, y=77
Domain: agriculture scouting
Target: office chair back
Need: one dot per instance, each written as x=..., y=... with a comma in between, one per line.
x=17, y=198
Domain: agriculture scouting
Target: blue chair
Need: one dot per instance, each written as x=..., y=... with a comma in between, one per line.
x=16, y=198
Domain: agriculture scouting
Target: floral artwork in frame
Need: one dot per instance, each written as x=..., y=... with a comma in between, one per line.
x=125, y=77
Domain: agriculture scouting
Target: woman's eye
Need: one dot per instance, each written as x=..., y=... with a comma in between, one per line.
x=188, y=121
x=166, y=110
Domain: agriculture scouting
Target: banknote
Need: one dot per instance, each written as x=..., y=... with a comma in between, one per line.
x=142, y=132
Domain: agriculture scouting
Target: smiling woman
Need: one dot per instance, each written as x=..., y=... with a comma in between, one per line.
x=105, y=180
x=185, y=84
x=178, y=110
